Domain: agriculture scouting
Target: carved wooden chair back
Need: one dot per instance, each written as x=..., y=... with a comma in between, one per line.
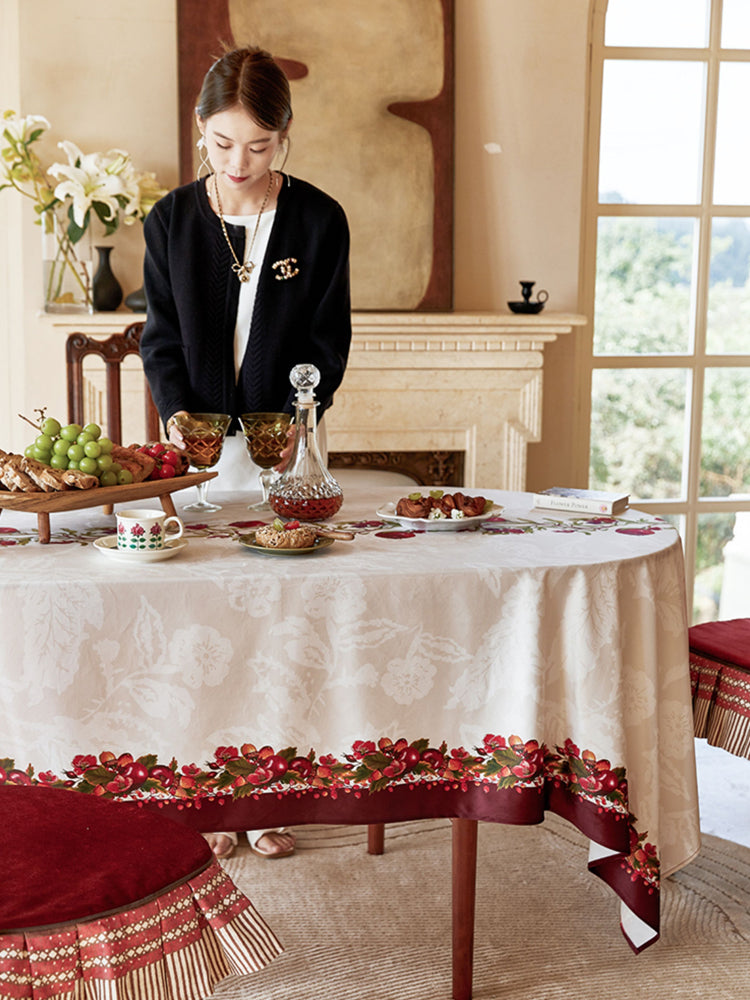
x=112, y=350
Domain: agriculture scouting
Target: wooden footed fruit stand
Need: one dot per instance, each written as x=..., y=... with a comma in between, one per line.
x=44, y=504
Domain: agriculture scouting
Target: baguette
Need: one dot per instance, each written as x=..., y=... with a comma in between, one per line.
x=14, y=477
x=79, y=480
x=25, y=475
x=21, y=474
x=46, y=478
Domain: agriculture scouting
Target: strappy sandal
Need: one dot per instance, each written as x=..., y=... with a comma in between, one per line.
x=255, y=836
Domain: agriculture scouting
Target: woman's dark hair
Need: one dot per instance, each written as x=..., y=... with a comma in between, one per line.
x=248, y=77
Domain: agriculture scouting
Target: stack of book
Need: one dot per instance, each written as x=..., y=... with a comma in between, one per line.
x=582, y=501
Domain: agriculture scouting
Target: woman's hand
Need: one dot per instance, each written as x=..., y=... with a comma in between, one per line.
x=173, y=431
x=286, y=454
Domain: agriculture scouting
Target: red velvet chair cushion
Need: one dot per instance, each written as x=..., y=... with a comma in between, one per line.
x=728, y=641
x=67, y=856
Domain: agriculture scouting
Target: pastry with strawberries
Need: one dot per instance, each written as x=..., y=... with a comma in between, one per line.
x=291, y=535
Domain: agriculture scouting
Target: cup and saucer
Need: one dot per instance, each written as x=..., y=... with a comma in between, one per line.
x=142, y=536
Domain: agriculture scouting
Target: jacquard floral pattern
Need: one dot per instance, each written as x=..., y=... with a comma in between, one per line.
x=408, y=680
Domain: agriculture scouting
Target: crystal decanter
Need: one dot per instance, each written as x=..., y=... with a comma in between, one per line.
x=306, y=490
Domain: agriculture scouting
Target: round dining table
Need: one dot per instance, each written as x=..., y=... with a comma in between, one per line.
x=489, y=670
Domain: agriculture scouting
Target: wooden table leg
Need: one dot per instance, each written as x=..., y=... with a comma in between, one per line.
x=375, y=838
x=167, y=505
x=464, y=898
x=42, y=526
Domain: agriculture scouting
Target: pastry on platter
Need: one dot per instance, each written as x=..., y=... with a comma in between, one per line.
x=291, y=535
x=138, y=464
x=439, y=505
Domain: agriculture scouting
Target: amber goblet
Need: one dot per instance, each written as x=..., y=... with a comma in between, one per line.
x=203, y=434
x=266, y=435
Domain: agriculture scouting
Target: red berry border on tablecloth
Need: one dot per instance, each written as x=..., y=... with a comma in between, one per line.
x=503, y=780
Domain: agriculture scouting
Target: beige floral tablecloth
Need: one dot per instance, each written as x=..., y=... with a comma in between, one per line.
x=538, y=661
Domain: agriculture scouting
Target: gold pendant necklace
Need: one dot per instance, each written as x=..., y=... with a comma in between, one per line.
x=243, y=269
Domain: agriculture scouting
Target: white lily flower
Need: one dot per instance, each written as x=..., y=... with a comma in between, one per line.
x=122, y=165
x=106, y=182
x=149, y=192
x=85, y=182
x=115, y=161
x=21, y=128
x=19, y=164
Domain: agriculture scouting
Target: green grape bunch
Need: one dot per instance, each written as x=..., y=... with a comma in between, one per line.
x=75, y=447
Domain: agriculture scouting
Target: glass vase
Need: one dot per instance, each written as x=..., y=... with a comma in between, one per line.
x=66, y=266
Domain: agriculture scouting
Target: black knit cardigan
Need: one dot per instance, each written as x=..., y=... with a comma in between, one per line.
x=192, y=293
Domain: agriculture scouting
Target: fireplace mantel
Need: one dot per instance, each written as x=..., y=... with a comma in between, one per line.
x=468, y=382
x=461, y=381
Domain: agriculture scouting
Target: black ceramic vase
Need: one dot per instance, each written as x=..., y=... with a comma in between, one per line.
x=106, y=287
x=136, y=300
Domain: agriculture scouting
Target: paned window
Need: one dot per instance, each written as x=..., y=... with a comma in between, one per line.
x=667, y=278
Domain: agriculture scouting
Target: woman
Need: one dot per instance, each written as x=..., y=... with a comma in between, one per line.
x=246, y=275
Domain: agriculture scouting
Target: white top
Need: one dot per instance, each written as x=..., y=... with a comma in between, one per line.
x=236, y=469
x=248, y=289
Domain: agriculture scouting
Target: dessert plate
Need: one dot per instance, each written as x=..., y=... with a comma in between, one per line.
x=249, y=542
x=108, y=547
x=388, y=513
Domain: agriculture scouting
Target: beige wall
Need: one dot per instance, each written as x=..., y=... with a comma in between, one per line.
x=105, y=75
x=521, y=85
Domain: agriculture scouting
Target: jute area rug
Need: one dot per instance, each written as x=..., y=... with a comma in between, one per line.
x=362, y=927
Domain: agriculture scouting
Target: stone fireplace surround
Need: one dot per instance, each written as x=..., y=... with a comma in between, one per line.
x=449, y=386
x=452, y=398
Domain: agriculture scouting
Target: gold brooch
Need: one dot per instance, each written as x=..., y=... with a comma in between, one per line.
x=286, y=266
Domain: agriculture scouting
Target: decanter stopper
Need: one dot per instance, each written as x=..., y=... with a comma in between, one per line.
x=304, y=378
x=306, y=491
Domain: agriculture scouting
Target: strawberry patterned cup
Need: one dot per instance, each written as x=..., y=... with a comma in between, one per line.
x=145, y=530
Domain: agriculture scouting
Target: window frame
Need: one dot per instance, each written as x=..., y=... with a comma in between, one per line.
x=690, y=506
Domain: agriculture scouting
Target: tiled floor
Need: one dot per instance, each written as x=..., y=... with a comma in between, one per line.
x=724, y=793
